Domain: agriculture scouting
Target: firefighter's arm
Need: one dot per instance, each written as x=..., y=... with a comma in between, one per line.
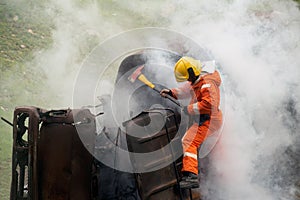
x=182, y=92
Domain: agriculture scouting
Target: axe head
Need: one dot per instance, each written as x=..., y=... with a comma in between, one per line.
x=136, y=74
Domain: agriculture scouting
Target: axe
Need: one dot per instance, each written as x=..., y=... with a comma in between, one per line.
x=137, y=74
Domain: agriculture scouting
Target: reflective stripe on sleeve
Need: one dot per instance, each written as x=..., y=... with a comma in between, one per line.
x=195, y=108
x=192, y=155
x=207, y=85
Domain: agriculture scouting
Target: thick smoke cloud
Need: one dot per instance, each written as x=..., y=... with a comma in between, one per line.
x=77, y=29
x=256, y=44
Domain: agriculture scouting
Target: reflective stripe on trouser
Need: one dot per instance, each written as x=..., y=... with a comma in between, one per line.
x=191, y=141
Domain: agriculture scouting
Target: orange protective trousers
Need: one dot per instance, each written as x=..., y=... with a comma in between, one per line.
x=192, y=140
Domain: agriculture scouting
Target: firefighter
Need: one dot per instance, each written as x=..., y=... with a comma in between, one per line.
x=203, y=82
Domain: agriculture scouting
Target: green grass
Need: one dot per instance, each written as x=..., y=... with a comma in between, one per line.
x=5, y=160
x=22, y=32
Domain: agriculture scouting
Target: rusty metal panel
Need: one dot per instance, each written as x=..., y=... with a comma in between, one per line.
x=65, y=164
x=161, y=183
x=54, y=159
x=24, y=162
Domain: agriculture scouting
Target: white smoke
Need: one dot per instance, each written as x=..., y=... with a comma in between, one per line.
x=257, y=43
x=77, y=30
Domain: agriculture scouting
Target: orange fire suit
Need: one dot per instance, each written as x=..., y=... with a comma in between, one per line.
x=205, y=99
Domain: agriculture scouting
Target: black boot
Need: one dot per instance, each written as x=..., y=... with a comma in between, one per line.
x=189, y=180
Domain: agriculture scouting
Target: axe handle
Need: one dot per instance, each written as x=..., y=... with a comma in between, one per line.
x=143, y=79
x=169, y=97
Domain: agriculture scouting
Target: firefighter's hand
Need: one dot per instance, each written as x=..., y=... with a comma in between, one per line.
x=165, y=92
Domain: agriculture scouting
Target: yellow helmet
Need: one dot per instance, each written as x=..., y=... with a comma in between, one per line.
x=181, y=69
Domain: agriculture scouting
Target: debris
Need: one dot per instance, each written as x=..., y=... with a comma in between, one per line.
x=16, y=18
x=31, y=32
x=4, y=109
x=22, y=46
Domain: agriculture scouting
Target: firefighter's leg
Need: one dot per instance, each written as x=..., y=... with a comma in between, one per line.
x=191, y=141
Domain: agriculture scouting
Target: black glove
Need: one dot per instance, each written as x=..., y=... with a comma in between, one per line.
x=165, y=92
